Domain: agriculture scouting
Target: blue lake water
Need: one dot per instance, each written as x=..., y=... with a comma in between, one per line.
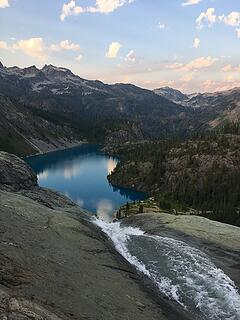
x=81, y=174
x=182, y=273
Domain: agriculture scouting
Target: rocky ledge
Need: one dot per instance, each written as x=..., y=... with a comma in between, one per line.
x=54, y=264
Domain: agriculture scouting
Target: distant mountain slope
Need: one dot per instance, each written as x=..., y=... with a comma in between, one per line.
x=24, y=132
x=217, y=108
x=11, y=141
x=53, y=107
x=171, y=94
x=211, y=109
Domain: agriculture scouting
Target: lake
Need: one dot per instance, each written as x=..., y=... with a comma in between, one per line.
x=80, y=173
x=182, y=273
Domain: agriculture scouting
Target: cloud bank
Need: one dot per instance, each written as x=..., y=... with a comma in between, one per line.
x=36, y=48
x=209, y=17
x=101, y=6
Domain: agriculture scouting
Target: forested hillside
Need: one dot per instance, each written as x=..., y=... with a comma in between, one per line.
x=202, y=173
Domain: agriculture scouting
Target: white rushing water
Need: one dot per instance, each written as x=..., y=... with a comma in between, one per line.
x=182, y=273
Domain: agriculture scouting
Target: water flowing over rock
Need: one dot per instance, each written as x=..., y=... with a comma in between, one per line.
x=55, y=264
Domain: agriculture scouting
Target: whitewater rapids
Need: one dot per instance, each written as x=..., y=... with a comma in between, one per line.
x=181, y=272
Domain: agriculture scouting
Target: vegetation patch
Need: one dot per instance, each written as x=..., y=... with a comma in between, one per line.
x=202, y=173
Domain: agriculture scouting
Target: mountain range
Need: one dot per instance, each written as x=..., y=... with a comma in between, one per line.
x=214, y=109
x=49, y=108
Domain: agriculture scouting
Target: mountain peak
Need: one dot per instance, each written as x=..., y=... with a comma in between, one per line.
x=54, y=71
x=48, y=67
x=171, y=94
x=1, y=65
x=31, y=69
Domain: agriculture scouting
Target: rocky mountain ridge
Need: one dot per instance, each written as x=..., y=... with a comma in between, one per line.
x=171, y=94
x=49, y=105
x=213, y=108
x=49, y=108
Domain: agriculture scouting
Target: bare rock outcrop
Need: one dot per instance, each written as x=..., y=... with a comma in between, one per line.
x=56, y=264
x=15, y=174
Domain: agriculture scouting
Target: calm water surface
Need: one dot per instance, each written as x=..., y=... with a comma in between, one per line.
x=81, y=174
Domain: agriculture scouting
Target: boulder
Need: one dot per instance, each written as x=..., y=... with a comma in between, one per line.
x=15, y=174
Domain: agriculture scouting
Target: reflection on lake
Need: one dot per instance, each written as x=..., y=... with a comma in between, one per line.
x=81, y=174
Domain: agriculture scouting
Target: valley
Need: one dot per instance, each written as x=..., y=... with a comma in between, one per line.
x=119, y=160
x=50, y=108
x=181, y=150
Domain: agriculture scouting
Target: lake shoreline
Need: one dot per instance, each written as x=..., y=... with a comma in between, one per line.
x=80, y=173
x=44, y=232
x=55, y=150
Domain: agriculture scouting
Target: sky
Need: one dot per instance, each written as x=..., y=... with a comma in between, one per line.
x=191, y=45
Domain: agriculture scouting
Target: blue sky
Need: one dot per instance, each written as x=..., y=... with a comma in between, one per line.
x=193, y=45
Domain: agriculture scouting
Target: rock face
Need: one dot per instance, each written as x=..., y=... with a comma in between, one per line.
x=55, y=265
x=15, y=174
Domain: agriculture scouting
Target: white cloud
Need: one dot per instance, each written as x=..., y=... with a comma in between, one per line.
x=227, y=84
x=106, y=6
x=229, y=79
x=79, y=57
x=175, y=66
x=70, y=9
x=36, y=48
x=101, y=6
x=190, y=2
x=33, y=47
x=232, y=19
x=161, y=25
x=230, y=68
x=188, y=77
x=227, y=68
x=196, y=43
x=131, y=57
x=208, y=17
x=65, y=45
x=200, y=63
x=3, y=45
x=4, y=3
x=113, y=50
x=197, y=64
